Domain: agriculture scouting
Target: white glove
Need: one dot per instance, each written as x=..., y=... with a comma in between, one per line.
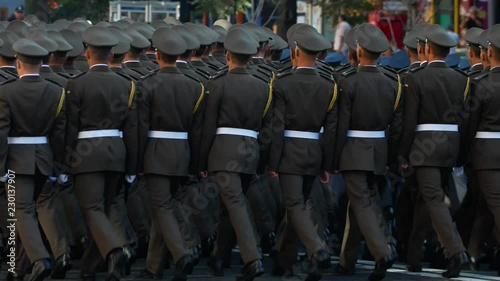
x=130, y=178
x=51, y=179
x=4, y=178
x=62, y=179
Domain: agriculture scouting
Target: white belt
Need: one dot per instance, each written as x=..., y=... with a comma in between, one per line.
x=488, y=135
x=437, y=127
x=322, y=130
x=301, y=135
x=236, y=132
x=366, y=134
x=100, y=134
x=27, y=140
x=168, y=135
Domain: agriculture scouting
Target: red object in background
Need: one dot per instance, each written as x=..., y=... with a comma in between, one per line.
x=387, y=20
x=240, y=17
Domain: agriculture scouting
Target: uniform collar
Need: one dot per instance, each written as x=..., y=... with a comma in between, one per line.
x=306, y=70
x=128, y=61
x=437, y=63
x=99, y=67
x=495, y=69
x=239, y=70
x=169, y=69
x=30, y=77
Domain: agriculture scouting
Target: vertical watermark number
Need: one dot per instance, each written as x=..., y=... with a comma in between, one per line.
x=11, y=220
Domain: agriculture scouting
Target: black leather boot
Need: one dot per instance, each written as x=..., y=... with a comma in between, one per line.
x=63, y=264
x=457, y=261
x=251, y=270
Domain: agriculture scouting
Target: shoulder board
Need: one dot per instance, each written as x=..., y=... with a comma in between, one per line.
x=461, y=72
x=482, y=76
x=260, y=78
x=204, y=72
x=349, y=72
x=53, y=82
x=266, y=67
x=391, y=76
x=8, y=81
x=342, y=68
x=284, y=74
x=285, y=60
x=212, y=66
x=402, y=70
x=388, y=68
x=124, y=75
x=149, y=75
x=265, y=72
x=77, y=75
x=416, y=69
x=192, y=77
x=327, y=77
x=285, y=69
x=65, y=75
x=218, y=75
x=4, y=76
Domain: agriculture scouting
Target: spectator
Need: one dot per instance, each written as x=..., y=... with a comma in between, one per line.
x=454, y=36
x=18, y=13
x=341, y=30
x=473, y=20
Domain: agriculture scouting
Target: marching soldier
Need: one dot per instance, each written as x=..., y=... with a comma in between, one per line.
x=132, y=64
x=80, y=61
x=60, y=55
x=472, y=37
x=40, y=135
x=218, y=51
x=101, y=111
x=206, y=41
x=43, y=39
x=77, y=50
x=192, y=44
x=431, y=139
x=165, y=132
x=236, y=120
x=363, y=123
x=7, y=54
x=482, y=133
x=298, y=172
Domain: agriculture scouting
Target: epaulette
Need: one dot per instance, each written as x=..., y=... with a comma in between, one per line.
x=149, y=75
x=212, y=66
x=266, y=67
x=285, y=60
x=349, y=72
x=481, y=77
x=264, y=72
x=199, y=70
x=285, y=69
x=470, y=73
x=140, y=73
x=4, y=76
x=325, y=69
x=328, y=77
x=8, y=81
x=342, y=68
x=124, y=75
x=203, y=73
x=260, y=78
x=388, y=68
x=192, y=77
x=402, y=70
x=416, y=69
x=218, y=75
x=461, y=72
x=54, y=82
x=392, y=76
x=284, y=74
x=65, y=75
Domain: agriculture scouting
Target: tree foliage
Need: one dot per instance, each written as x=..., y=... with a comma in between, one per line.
x=94, y=10
x=356, y=10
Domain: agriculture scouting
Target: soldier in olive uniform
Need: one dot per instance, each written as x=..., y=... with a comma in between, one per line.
x=206, y=42
x=298, y=172
x=102, y=144
x=237, y=121
x=193, y=44
x=80, y=61
x=174, y=131
x=58, y=58
x=77, y=50
x=431, y=138
x=7, y=55
x=32, y=148
x=218, y=51
x=361, y=124
x=131, y=62
x=43, y=39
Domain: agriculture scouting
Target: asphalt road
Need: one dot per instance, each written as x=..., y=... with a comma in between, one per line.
x=363, y=269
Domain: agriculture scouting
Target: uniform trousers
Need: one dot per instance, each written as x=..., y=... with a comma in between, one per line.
x=359, y=186
x=488, y=181
x=295, y=190
x=73, y=212
x=97, y=193
x=136, y=208
x=160, y=188
x=157, y=254
x=430, y=182
x=232, y=188
x=482, y=228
